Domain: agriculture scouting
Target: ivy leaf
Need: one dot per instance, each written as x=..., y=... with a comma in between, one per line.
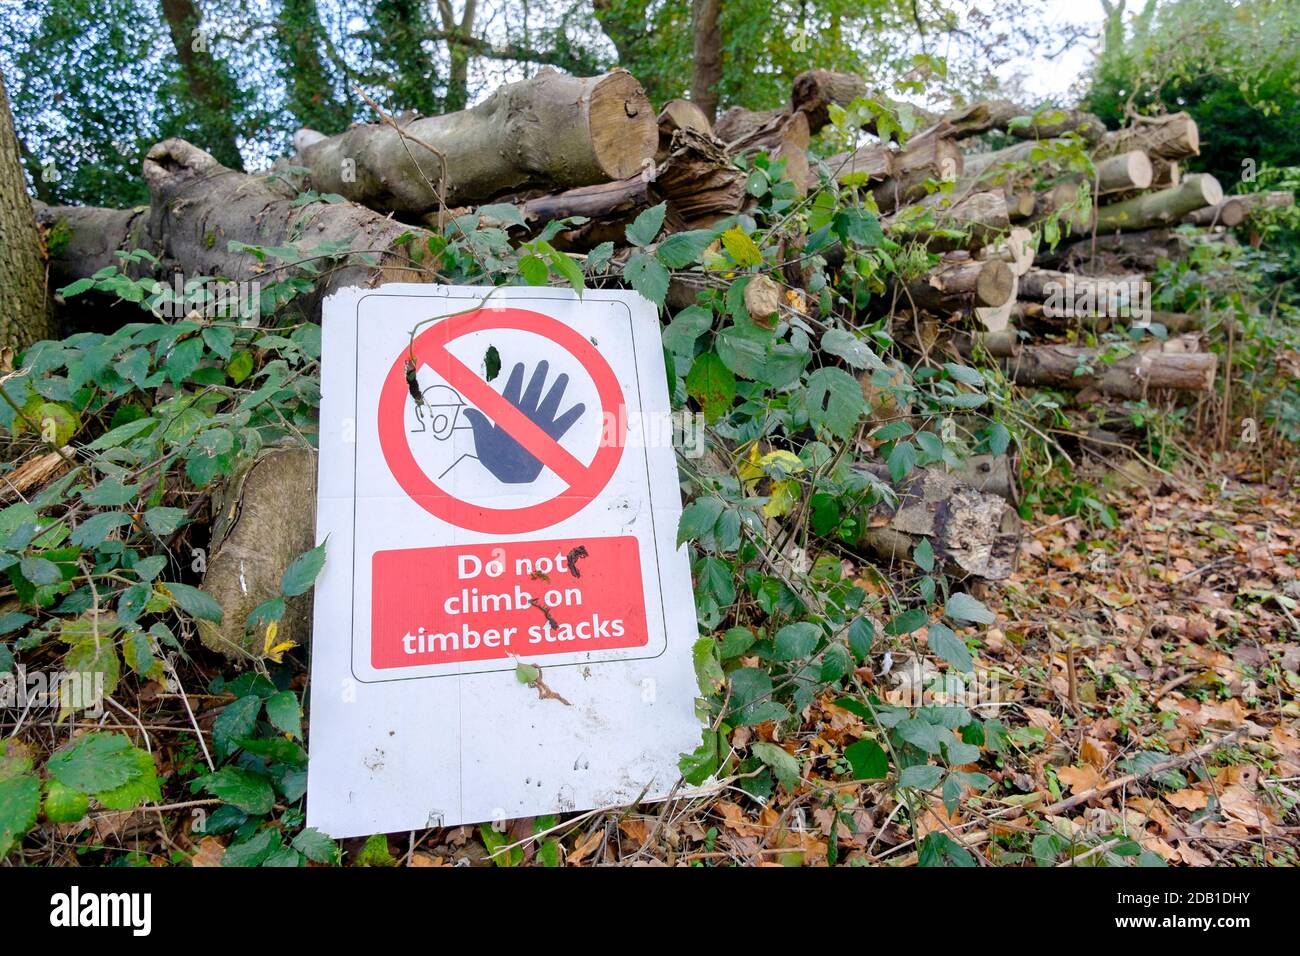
x=643, y=230
x=646, y=275
x=301, y=574
x=835, y=401
x=962, y=607
x=711, y=384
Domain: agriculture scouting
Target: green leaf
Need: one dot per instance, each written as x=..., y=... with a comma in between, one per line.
x=907, y=622
x=682, y=249
x=647, y=276
x=90, y=657
x=698, y=518
x=568, y=269
x=646, y=227
x=62, y=805
x=922, y=734
x=40, y=571
x=94, y=762
x=241, y=788
x=784, y=765
x=862, y=633
x=852, y=349
x=741, y=248
x=921, y=776
x=316, y=846
x=949, y=646
x=923, y=555
x=141, y=788
x=534, y=270
x=301, y=574
x=835, y=401
x=962, y=607
x=94, y=530
x=711, y=384
x=163, y=521
x=20, y=799
x=795, y=641
x=283, y=712
x=252, y=852
x=868, y=760
x=236, y=721
x=193, y=601
x=901, y=460
x=240, y=367
x=751, y=696
x=708, y=672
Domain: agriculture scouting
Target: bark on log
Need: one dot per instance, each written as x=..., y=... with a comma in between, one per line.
x=955, y=222
x=550, y=131
x=1055, y=366
x=699, y=181
x=974, y=532
x=781, y=134
x=871, y=162
x=1161, y=208
x=1169, y=137
x=1259, y=202
x=914, y=165
x=1034, y=315
x=813, y=92
x=198, y=206
x=1231, y=212
x=959, y=282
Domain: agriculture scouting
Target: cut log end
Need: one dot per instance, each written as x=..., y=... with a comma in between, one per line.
x=624, y=128
x=996, y=284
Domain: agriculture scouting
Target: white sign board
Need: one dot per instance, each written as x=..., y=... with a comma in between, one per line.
x=525, y=508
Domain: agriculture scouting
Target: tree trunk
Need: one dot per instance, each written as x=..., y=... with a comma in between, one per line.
x=311, y=98
x=27, y=315
x=1169, y=137
x=550, y=131
x=458, y=53
x=1161, y=208
x=197, y=207
x=707, y=61
x=207, y=81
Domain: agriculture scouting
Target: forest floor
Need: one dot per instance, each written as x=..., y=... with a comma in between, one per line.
x=1146, y=673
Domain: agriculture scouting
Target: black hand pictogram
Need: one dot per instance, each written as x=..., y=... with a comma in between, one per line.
x=509, y=461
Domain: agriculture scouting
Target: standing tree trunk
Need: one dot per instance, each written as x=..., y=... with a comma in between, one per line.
x=458, y=51
x=207, y=81
x=27, y=316
x=705, y=24
x=311, y=97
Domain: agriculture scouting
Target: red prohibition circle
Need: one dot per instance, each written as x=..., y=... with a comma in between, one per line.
x=584, y=481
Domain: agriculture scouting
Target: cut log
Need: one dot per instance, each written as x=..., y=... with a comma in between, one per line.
x=1231, y=212
x=1034, y=315
x=699, y=181
x=1123, y=172
x=974, y=532
x=914, y=166
x=1260, y=202
x=1169, y=137
x=738, y=123
x=1004, y=163
x=1017, y=250
x=679, y=114
x=960, y=282
x=1165, y=172
x=1161, y=208
x=782, y=136
x=198, y=207
x=869, y=163
x=944, y=221
x=552, y=131
x=608, y=208
x=1073, y=368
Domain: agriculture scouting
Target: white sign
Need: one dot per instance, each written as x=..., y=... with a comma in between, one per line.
x=496, y=487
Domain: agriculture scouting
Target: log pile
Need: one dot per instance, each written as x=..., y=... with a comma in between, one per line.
x=556, y=147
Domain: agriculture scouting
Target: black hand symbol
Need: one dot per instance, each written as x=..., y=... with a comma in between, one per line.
x=509, y=461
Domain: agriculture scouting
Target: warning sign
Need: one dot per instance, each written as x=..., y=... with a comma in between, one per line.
x=497, y=486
